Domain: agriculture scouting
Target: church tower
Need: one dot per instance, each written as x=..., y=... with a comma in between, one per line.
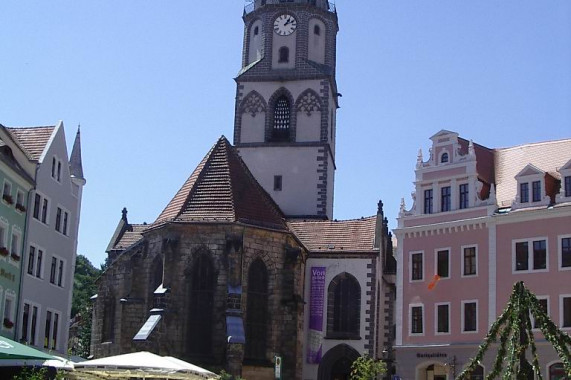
x=286, y=102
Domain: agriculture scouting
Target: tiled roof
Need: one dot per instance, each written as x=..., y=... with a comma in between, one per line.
x=131, y=236
x=547, y=156
x=33, y=140
x=351, y=236
x=221, y=189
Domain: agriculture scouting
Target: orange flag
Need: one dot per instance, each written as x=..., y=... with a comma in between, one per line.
x=432, y=283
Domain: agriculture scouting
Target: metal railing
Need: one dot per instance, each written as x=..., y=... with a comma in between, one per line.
x=252, y=5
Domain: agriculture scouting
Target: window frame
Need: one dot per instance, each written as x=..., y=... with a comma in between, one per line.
x=436, y=262
x=463, y=259
x=524, y=192
x=41, y=211
x=463, y=316
x=463, y=196
x=445, y=198
x=536, y=191
x=57, y=273
x=567, y=184
x=56, y=171
x=428, y=201
x=411, y=276
x=278, y=182
x=560, y=252
x=344, y=314
x=530, y=255
x=539, y=298
x=437, y=319
x=562, y=298
x=62, y=220
x=410, y=319
x=9, y=296
x=4, y=233
x=7, y=193
x=16, y=233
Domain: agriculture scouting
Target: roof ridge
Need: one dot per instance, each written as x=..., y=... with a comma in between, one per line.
x=538, y=143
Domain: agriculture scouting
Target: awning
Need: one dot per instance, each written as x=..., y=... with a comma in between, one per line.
x=14, y=350
x=143, y=364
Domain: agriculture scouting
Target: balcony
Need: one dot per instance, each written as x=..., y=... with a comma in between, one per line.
x=252, y=5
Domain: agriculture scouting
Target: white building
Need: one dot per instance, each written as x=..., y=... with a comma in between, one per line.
x=50, y=238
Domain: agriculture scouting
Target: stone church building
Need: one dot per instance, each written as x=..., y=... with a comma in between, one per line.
x=245, y=267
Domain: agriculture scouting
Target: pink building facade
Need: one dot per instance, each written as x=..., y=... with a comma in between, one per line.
x=481, y=220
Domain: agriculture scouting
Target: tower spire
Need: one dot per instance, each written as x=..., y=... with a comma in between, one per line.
x=75, y=163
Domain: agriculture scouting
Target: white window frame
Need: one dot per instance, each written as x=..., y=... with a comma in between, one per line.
x=36, y=258
x=52, y=325
x=56, y=169
x=18, y=233
x=529, y=242
x=22, y=195
x=548, y=313
x=560, y=252
x=40, y=211
x=8, y=295
x=38, y=322
x=63, y=228
x=411, y=254
x=410, y=307
x=462, y=248
x=463, y=309
x=561, y=298
x=9, y=184
x=448, y=249
x=4, y=239
x=436, y=332
x=442, y=152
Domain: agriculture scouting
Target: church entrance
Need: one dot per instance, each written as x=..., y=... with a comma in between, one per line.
x=336, y=363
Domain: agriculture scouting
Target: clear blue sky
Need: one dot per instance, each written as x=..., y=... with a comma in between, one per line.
x=151, y=83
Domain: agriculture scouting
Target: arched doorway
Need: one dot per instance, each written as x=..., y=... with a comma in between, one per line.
x=336, y=363
x=432, y=371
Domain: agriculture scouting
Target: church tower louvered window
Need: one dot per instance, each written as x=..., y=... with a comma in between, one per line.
x=281, y=126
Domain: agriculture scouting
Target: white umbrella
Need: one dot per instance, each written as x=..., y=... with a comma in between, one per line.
x=142, y=364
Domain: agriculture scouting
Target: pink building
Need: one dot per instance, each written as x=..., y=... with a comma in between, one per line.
x=481, y=220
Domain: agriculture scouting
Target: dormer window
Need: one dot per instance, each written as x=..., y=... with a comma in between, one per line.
x=444, y=158
x=524, y=192
x=536, y=191
x=568, y=186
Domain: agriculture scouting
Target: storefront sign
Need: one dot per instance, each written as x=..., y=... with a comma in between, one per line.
x=431, y=355
x=316, y=306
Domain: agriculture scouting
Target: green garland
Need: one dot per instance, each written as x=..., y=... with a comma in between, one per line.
x=515, y=333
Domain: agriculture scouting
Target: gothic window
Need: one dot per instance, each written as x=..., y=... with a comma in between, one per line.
x=344, y=307
x=283, y=55
x=281, y=119
x=201, y=307
x=107, y=333
x=257, y=311
x=308, y=102
x=253, y=104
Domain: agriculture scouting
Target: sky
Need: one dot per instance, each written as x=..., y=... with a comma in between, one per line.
x=151, y=84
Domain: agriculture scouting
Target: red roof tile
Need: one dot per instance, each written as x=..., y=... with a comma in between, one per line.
x=222, y=188
x=130, y=237
x=357, y=235
x=33, y=140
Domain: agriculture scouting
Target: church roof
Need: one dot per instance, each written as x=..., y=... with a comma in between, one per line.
x=221, y=189
x=350, y=236
x=32, y=140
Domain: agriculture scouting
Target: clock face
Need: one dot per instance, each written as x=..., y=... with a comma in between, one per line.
x=285, y=25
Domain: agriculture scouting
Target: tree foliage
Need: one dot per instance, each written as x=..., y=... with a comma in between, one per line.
x=514, y=329
x=367, y=368
x=84, y=287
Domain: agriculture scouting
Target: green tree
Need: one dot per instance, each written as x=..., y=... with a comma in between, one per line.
x=81, y=307
x=367, y=368
x=514, y=329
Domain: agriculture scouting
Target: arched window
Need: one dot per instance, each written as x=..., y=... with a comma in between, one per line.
x=201, y=307
x=283, y=56
x=281, y=119
x=344, y=307
x=477, y=373
x=257, y=312
x=256, y=30
x=108, y=328
x=444, y=158
x=316, y=30
x=557, y=372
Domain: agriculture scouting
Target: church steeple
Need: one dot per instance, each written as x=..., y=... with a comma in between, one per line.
x=287, y=100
